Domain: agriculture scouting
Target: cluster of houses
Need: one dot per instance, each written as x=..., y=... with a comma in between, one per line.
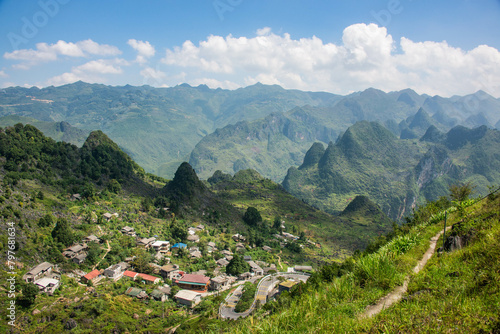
x=78, y=252
x=193, y=285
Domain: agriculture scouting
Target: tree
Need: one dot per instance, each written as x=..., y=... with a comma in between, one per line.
x=252, y=216
x=237, y=266
x=141, y=262
x=114, y=186
x=146, y=204
x=45, y=221
x=62, y=232
x=277, y=223
x=93, y=253
x=88, y=191
x=461, y=192
x=178, y=232
x=40, y=195
x=30, y=291
x=294, y=247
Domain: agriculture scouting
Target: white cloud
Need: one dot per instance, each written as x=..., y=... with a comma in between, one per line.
x=3, y=74
x=144, y=49
x=214, y=83
x=49, y=52
x=367, y=57
x=153, y=77
x=264, y=31
x=91, y=71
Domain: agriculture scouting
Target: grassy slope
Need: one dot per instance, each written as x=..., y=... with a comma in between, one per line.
x=458, y=292
x=336, y=234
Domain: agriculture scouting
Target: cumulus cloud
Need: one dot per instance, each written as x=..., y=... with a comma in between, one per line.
x=153, y=77
x=91, y=71
x=3, y=74
x=50, y=52
x=144, y=50
x=367, y=57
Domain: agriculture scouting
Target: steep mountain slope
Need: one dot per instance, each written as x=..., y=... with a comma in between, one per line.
x=395, y=173
x=265, y=145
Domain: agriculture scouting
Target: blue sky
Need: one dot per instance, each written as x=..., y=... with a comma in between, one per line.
x=436, y=47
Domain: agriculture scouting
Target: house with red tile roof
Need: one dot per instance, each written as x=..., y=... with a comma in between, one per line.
x=149, y=279
x=93, y=276
x=130, y=274
x=193, y=282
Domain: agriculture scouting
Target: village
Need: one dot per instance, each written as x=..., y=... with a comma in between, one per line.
x=166, y=278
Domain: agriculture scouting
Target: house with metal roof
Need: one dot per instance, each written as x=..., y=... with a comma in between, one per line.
x=94, y=275
x=158, y=295
x=160, y=245
x=47, y=285
x=130, y=274
x=37, y=272
x=128, y=231
x=92, y=238
x=222, y=262
x=148, y=279
x=220, y=282
x=179, y=245
x=80, y=258
x=114, y=272
x=188, y=298
x=193, y=282
x=137, y=293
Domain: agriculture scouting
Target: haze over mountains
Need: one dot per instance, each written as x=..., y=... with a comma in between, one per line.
x=269, y=129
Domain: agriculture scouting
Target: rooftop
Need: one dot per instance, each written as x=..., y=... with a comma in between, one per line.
x=187, y=294
x=288, y=284
x=39, y=268
x=193, y=279
x=129, y=273
x=45, y=282
x=148, y=277
x=93, y=274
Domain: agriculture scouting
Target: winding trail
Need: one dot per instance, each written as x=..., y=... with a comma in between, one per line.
x=396, y=294
x=102, y=258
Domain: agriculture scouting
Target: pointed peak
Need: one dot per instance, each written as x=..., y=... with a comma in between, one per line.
x=98, y=138
x=313, y=155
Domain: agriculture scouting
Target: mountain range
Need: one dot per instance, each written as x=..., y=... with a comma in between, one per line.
x=264, y=127
x=397, y=174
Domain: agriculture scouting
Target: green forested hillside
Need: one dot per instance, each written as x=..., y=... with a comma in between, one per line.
x=28, y=154
x=395, y=173
x=59, y=131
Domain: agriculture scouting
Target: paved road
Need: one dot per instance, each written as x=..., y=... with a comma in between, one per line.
x=266, y=285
